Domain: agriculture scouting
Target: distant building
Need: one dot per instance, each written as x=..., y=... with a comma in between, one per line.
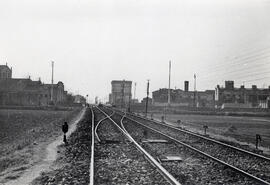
x=79, y=99
x=25, y=92
x=145, y=99
x=121, y=93
x=231, y=97
x=5, y=72
x=58, y=91
x=134, y=101
x=184, y=97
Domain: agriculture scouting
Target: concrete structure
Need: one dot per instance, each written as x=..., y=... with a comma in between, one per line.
x=5, y=72
x=184, y=98
x=121, y=93
x=231, y=97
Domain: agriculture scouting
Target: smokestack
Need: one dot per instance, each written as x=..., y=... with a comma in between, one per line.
x=254, y=86
x=186, y=86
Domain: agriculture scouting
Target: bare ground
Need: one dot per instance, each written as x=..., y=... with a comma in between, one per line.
x=24, y=137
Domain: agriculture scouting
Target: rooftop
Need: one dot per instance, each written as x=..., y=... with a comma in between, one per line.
x=121, y=81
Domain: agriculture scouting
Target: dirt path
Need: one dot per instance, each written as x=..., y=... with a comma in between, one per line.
x=51, y=154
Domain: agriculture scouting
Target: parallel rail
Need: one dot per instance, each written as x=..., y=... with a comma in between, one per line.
x=205, y=138
x=91, y=178
x=259, y=180
x=158, y=166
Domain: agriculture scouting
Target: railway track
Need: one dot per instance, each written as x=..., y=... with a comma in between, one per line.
x=91, y=171
x=250, y=165
x=118, y=159
x=203, y=137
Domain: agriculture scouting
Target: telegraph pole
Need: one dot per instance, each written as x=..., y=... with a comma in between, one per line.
x=169, y=90
x=146, y=105
x=123, y=93
x=194, y=90
x=134, y=97
x=52, y=81
x=129, y=100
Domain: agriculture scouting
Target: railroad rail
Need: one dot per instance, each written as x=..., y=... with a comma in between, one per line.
x=203, y=137
x=91, y=171
x=257, y=179
x=152, y=161
x=99, y=124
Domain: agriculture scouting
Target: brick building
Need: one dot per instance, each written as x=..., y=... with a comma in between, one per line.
x=25, y=92
x=121, y=93
x=184, y=97
x=231, y=97
x=5, y=72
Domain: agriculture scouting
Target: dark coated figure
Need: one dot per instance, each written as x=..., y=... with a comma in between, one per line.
x=65, y=130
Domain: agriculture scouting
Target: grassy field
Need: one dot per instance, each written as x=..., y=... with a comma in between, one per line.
x=243, y=129
x=24, y=133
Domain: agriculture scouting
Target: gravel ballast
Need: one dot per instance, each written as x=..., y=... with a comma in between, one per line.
x=117, y=161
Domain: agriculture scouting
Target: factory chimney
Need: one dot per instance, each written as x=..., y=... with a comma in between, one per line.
x=186, y=86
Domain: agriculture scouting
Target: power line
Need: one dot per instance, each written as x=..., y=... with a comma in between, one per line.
x=268, y=77
x=245, y=68
x=236, y=73
x=234, y=60
x=246, y=61
x=252, y=74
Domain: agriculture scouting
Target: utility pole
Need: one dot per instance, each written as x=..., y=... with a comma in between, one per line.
x=52, y=82
x=169, y=90
x=134, y=97
x=123, y=93
x=129, y=100
x=194, y=90
x=146, y=104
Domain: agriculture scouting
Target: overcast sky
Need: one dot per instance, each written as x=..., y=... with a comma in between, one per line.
x=95, y=41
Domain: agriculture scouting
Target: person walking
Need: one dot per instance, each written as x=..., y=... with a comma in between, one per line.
x=65, y=130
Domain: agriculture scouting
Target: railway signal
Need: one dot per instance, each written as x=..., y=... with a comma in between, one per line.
x=258, y=140
x=205, y=128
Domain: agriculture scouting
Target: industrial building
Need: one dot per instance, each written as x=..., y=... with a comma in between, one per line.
x=184, y=97
x=121, y=93
x=26, y=92
x=231, y=97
